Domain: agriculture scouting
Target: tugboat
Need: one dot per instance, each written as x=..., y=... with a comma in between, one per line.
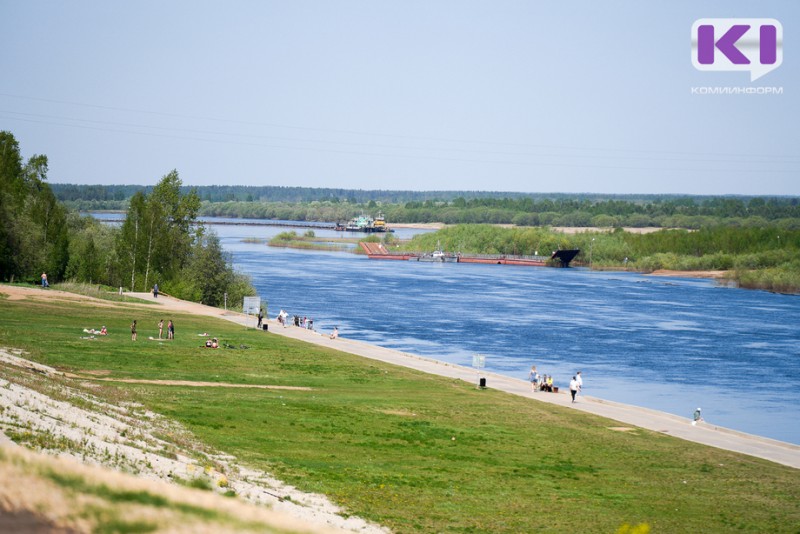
x=437, y=255
x=380, y=223
x=364, y=223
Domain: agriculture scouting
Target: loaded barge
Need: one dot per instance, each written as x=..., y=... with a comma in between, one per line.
x=559, y=258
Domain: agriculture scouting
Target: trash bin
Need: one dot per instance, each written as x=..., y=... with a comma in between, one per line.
x=265, y=326
x=482, y=383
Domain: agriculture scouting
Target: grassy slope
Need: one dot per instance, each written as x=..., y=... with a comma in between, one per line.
x=379, y=439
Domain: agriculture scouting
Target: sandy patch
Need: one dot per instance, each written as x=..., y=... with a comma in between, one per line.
x=38, y=294
x=622, y=429
x=191, y=383
x=691, y=274
x=41, y=407
x=97, y=372
x=402, y=413
x=421, y=226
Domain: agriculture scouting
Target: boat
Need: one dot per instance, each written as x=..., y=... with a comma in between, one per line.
x=364, y=223
x=437, y=255
x=380, y=223
x=559, y=258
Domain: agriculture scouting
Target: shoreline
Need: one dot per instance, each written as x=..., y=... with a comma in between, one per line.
x=662, y=422
x=777, y=451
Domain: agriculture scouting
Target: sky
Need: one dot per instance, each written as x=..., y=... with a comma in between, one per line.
x=527, y=96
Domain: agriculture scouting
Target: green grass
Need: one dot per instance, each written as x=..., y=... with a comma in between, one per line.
x=415, y=452
x=99, y=292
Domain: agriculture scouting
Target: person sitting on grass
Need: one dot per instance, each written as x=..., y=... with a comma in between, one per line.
x=212, y=343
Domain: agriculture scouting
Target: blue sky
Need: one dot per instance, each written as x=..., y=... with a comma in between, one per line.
x=573, y=96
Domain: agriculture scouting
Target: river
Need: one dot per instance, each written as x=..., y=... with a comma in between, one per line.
x=670, y=344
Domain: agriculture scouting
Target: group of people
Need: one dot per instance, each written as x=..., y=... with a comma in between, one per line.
x=302, y=322
x=170, y=330
x=545, y=382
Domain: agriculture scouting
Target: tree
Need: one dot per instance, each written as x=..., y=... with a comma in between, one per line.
x=159, y=231
x=130, y=236
x=33, y=234
x=210, y=270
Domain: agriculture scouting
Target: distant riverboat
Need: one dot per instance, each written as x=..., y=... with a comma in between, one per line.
x=364, y=223
x=559, y=258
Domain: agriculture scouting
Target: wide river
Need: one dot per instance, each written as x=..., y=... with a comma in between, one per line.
x=670, y=344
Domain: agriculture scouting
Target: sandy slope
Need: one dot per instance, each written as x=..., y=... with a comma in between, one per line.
x=41, y=403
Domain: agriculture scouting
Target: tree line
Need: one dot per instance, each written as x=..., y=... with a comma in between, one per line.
x=296, y=194
x=458, y=207
x=159, y=242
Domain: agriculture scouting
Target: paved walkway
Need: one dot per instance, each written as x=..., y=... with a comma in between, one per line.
x=707, y=434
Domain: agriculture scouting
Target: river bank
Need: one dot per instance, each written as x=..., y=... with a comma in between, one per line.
x=706, y=433
x=415, y=451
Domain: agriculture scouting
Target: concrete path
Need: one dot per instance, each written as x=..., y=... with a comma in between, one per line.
x=707, y=434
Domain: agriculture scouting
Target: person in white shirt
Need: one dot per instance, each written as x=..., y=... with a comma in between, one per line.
x=573, y=388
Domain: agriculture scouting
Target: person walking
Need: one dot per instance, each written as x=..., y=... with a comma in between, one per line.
x=533, y=377
x=133, y=330
x=579, y=379
x=573, y=387
x=160, y=328
x=170, y=330
x=697, y=417
x=260, y=319
x=155, y=291
x=44, y=280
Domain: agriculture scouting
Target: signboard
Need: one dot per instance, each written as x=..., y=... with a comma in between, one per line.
x=252, y=305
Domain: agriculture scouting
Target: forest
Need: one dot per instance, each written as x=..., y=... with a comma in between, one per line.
x=159, y=242
x=462, y=207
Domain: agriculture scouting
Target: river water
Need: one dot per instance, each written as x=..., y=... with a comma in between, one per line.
x=670, y=344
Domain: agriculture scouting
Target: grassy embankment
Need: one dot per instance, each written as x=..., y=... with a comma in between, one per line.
x=415, y=452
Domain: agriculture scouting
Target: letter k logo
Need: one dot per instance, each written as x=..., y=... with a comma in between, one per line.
x=726, y=44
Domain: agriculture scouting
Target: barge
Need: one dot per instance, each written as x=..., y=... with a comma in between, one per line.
x=559, y=258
